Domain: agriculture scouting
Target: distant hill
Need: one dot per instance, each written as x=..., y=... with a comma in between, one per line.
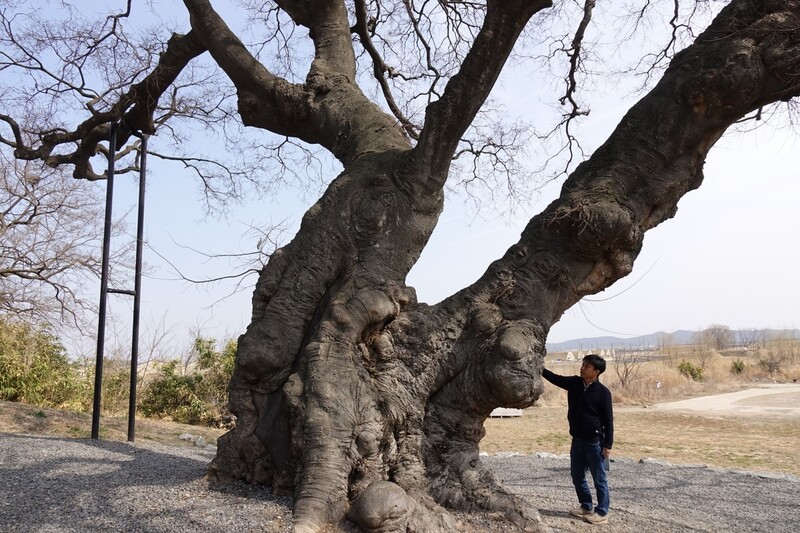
x=682, y=336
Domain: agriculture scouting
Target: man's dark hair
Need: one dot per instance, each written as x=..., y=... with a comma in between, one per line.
x=596, y=361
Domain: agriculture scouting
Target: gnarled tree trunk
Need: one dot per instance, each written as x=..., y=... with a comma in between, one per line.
x=360, y=401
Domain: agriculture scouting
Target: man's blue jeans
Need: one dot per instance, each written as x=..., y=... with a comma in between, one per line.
x=588, y=455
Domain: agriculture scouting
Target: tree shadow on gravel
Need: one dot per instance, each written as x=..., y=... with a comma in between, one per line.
x=62, y=484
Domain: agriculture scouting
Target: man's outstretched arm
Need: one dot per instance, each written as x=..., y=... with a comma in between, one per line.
x=555, y=379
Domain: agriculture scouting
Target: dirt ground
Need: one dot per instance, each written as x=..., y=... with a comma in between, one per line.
x=35, y=420
x=767, y=399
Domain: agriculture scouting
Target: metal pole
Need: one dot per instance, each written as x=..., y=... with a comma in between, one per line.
x=137, y=291
x=101, y=326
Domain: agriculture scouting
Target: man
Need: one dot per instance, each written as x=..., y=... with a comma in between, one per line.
x=591, y=425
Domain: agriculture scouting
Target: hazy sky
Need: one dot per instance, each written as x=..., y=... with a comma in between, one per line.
x=729, y=256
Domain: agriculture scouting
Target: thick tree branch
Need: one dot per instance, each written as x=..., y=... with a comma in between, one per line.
x=135, y=109
x=447, y=119
x=265, y=100
x=244, y=70
x=329, y=109
x=330, y=30
x=589, y=237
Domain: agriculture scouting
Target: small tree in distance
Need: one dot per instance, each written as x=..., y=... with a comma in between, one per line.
x=628, y=366
x=666, y=347
x=749, y=338
x=712, y=340
x=718, y=337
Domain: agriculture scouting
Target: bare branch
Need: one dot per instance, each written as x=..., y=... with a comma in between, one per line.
x=448, y=118
x=49, y=237
x=574, y=55
x=380, y=68
x=239, y=266
x=135, y=108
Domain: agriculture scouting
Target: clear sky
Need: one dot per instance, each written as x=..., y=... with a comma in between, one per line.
x=729, y=256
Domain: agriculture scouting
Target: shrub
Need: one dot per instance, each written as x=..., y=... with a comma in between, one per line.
x=216, y=369
x=772, y=363
x=34, y=367
x=174, y=396
x=738, y=366
x=690, y=370
x=200, y=395
x=116, y=386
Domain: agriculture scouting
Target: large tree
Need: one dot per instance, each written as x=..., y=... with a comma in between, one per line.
x=350, y=395
x=50, y=232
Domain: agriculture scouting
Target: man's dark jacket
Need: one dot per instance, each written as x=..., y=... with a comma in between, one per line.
x=589, y=409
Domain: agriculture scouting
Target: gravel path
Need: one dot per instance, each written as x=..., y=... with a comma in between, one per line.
x=52, y=484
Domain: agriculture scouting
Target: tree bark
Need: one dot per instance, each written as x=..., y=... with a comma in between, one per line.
x=361, y=402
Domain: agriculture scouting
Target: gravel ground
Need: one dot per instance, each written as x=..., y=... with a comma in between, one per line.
x=52, y=484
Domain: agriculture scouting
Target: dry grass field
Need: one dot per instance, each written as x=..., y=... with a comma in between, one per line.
x=769, y=442
x=748, y=442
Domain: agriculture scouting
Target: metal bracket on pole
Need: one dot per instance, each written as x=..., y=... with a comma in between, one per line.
x=105, y=290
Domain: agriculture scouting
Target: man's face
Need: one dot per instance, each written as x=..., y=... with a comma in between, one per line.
x=589, y=372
